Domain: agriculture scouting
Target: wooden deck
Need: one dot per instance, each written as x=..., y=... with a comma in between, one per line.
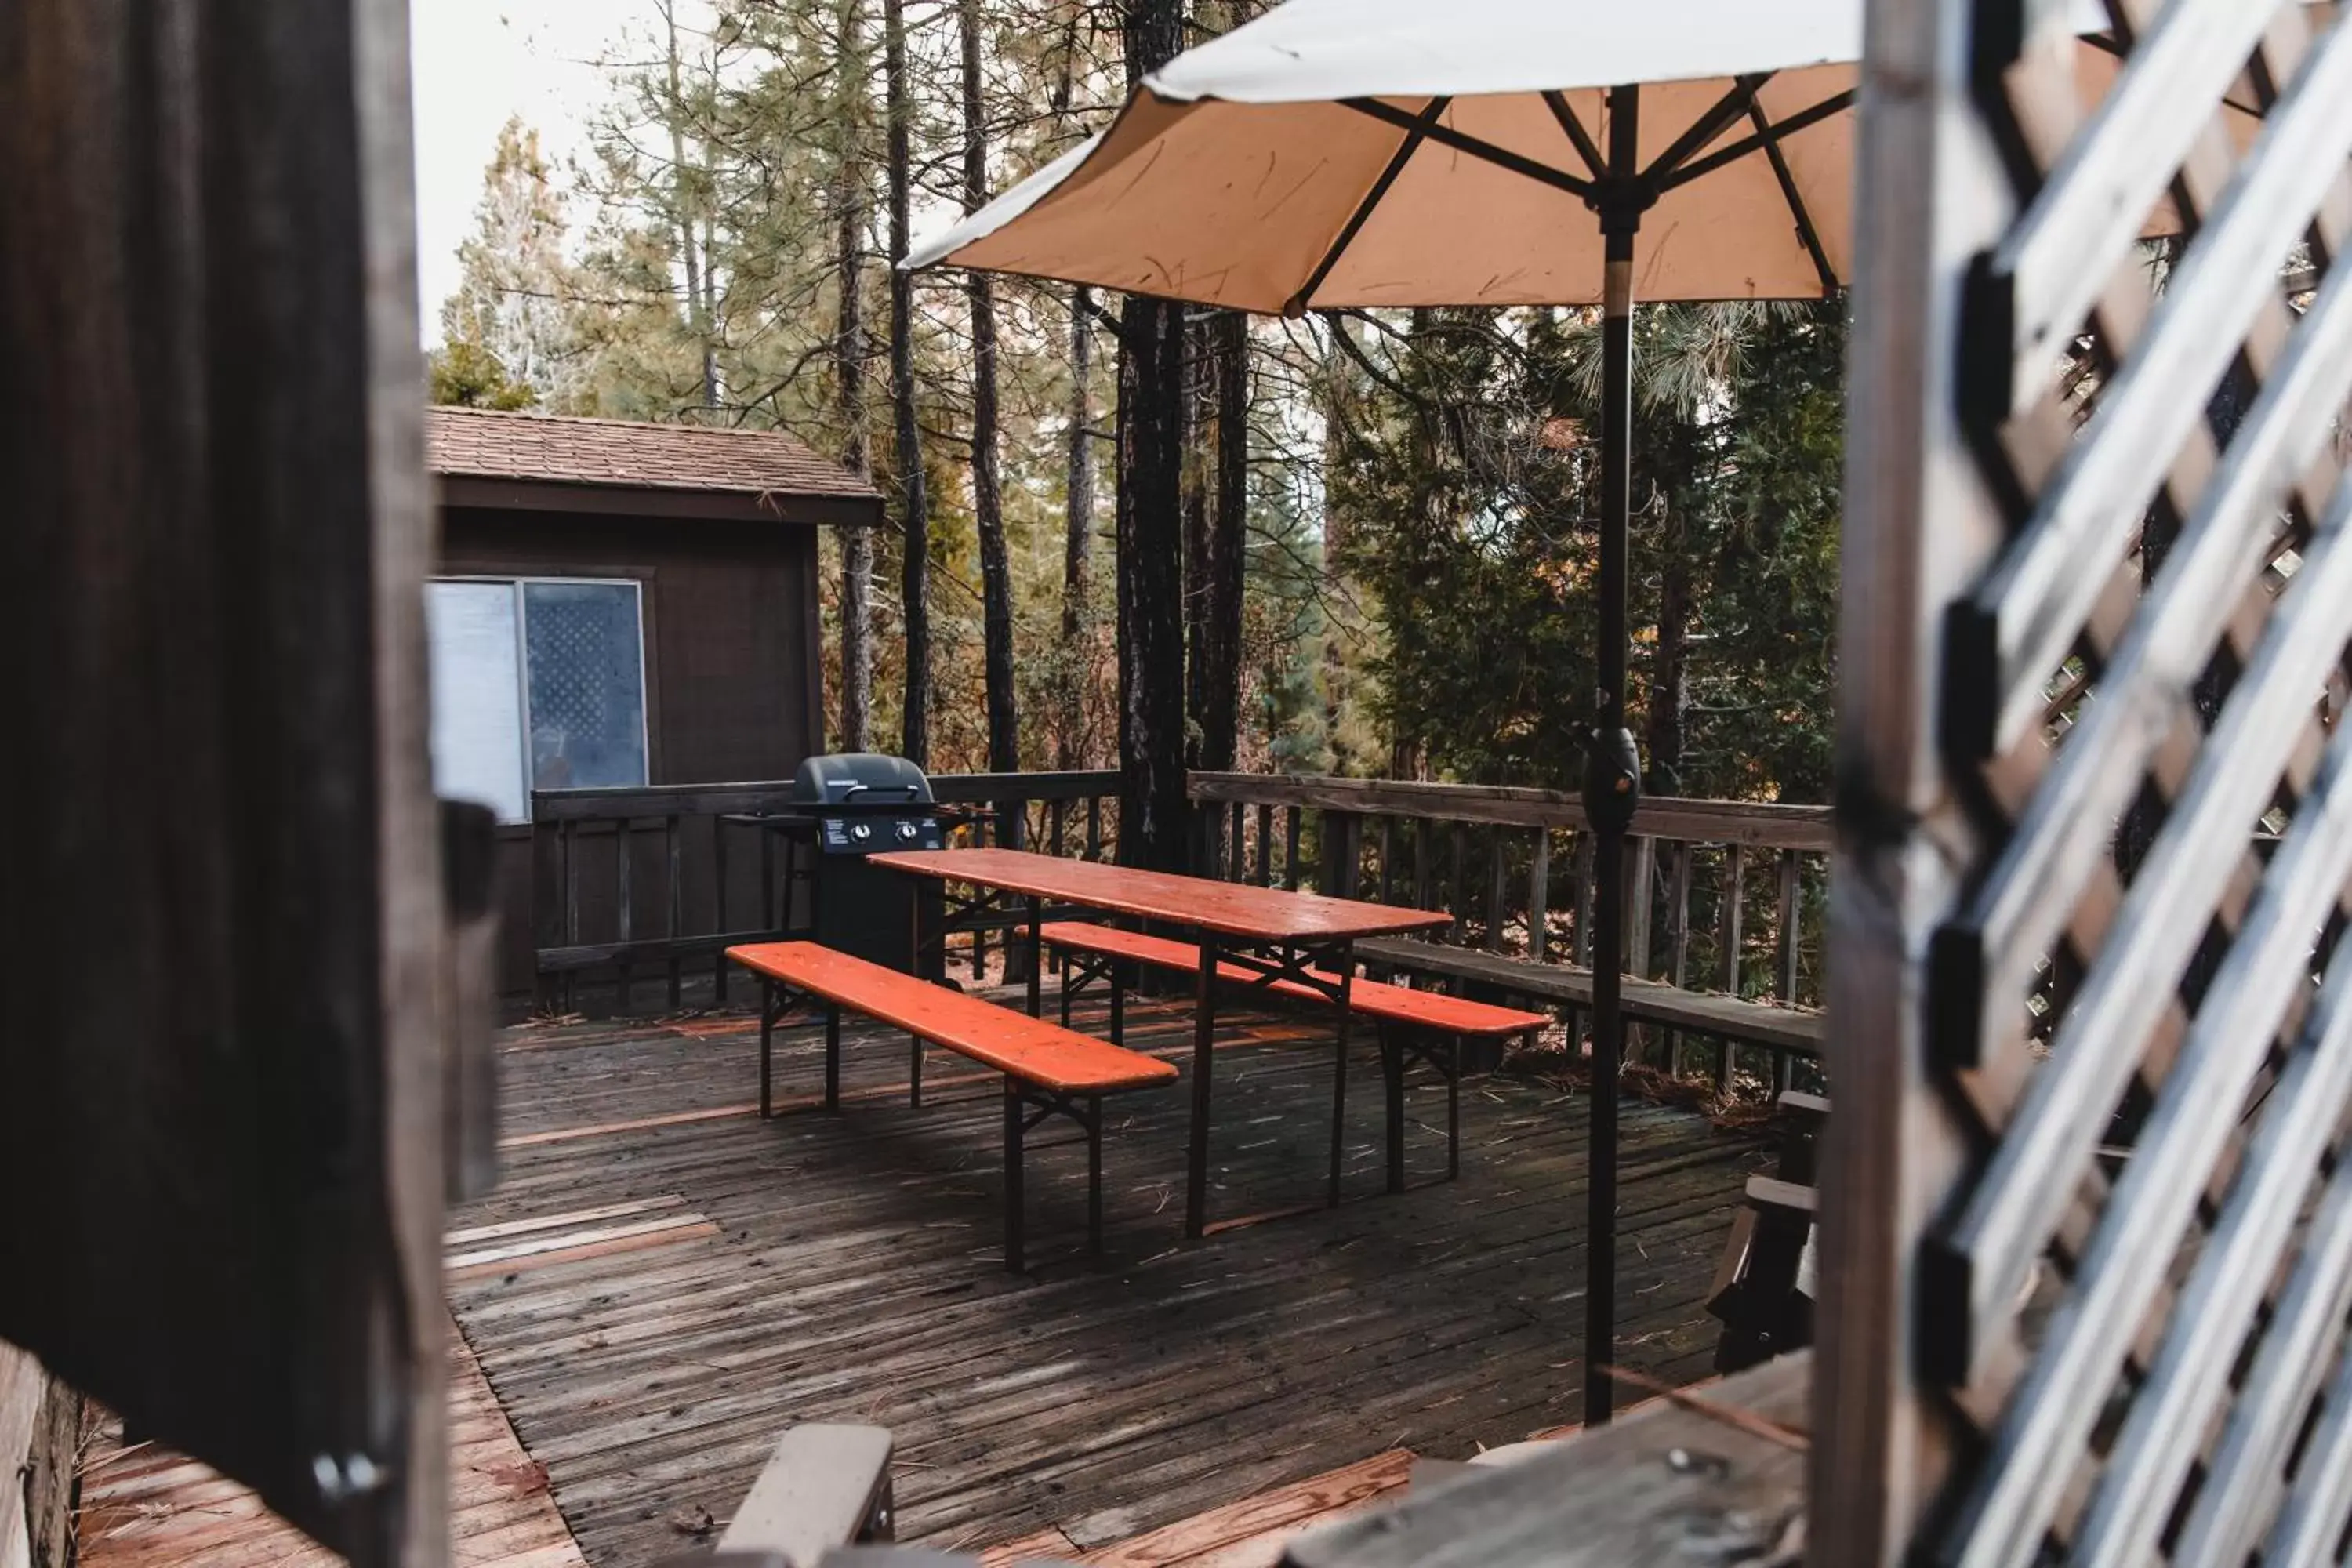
x=661, y=1281
x=145, y=1507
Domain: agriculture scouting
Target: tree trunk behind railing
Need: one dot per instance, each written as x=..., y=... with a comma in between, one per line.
x=914, y=508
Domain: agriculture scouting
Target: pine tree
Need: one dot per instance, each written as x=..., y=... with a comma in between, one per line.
x=505, y=340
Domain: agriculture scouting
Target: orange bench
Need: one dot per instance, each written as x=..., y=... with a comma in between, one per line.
x=1410, y=1022
x=1049, y=1070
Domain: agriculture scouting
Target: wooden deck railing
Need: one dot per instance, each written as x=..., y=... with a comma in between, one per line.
x=1722, y=895
x=634, y=883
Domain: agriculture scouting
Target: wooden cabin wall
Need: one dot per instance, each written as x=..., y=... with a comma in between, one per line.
x=733, y=688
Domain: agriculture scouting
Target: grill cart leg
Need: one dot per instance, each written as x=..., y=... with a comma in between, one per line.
x=1014, y=1108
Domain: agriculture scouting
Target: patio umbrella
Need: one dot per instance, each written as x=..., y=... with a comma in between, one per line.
x=1386, y=154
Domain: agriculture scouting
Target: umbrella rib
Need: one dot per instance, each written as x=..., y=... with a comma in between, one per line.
x=1461, y=142
x=1837, y=103
x=1806, y=232
x=1740, y=100
x=1413, y=138
x=1586, y=148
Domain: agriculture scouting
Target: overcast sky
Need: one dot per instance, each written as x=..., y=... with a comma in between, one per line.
x=475, y=62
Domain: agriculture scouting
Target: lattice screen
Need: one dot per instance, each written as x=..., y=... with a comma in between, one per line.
x=2124, y=1240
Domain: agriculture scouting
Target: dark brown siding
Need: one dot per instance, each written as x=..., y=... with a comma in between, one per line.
x=731, y=682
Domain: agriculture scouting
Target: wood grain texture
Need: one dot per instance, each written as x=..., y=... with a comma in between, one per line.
x=857, y=1278
x=1252, y=1534
x=1372, y=998
x=1034, y=1049
x=147, y=1506
x=1266, y=914
x=1666, y=1483
x=1763, y=823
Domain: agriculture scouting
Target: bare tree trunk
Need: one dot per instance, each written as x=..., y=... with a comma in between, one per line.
x=915, y=738
x=686, y=197
x=1197, y=416
x=849, y=380
x=1219, y=650
x=1154, y=827
x=1669, y=676
x=1078, y=538
x=987, y=502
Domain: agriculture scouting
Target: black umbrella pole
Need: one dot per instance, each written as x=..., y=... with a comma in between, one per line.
x=1612, y=785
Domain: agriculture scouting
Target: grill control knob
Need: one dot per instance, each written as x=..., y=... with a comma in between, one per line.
x=860, y=832
x=907, y=830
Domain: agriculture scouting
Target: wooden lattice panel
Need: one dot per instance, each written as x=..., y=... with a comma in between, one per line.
x=2111, y=874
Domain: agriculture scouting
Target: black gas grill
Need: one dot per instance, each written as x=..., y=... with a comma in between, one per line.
x=859, y=804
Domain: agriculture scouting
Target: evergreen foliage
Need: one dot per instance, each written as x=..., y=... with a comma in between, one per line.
x=1418, y=538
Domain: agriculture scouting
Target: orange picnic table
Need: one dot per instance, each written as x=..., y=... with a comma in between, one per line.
x=1276, y=936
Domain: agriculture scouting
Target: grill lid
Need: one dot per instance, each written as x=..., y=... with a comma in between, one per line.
x=860, y=781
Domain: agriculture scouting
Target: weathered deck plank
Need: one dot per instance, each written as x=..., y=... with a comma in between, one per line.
x=852, y=1275
x=148, y=1507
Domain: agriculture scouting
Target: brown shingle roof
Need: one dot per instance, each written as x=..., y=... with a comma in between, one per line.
x=477, y=443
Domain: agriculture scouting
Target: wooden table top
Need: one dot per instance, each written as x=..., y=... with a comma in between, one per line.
x=1229, y=908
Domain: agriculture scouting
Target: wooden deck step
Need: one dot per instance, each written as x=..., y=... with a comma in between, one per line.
x=1250, y=1533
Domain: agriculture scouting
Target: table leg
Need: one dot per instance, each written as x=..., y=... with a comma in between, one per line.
x=1205, y=1031
x=1347, y=957
x=1036, y=908
x=767, y=1038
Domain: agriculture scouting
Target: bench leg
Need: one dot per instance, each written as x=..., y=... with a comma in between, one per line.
x=832, y=1056
x=1196, y=1144
x=1067, y=977
x=1094, y=1174
x=1013, y=1109
x=1117, y=1002
x=1393, y=1070
x=767, y=1039
x=915, y=1071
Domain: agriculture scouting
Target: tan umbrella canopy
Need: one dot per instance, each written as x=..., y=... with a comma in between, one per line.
x=1401, y=153
x=1398, y=152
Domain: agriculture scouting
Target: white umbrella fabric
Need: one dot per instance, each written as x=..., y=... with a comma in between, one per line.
x=1398, y=152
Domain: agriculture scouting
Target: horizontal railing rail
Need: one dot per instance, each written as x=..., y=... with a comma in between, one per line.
x=641, y=879
x=1722, y=895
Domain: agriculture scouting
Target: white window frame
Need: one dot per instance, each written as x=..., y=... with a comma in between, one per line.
x=522, y=659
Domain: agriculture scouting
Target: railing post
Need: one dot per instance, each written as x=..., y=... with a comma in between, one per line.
x=1539, y=898
x=1339, y=871
x=1678, y=934
x=677, y=906
x=1495, y=894
x=549, y=860
x=1639, y=892
x=1728, y=938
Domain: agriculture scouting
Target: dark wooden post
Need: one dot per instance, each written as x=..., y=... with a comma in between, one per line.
x=1340, y=870
x=224, y=1173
